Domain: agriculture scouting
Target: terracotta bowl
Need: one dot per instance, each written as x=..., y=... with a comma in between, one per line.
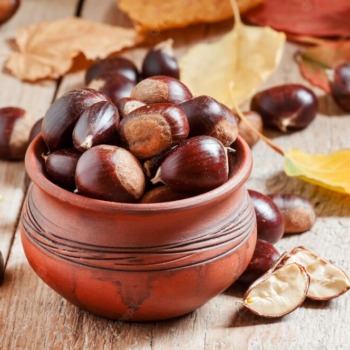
x=138, y=262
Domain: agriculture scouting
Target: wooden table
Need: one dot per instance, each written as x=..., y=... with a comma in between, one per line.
x=32, y=316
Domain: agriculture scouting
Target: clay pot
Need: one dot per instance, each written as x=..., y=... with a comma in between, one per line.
x=138, y=262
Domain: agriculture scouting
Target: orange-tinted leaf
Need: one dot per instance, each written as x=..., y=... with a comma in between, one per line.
x=48, y=49
x=326, y=170
x=243, y=58
x=314, y=73
x=165, y=14
x=304, y=17
x=330, y=53
x=315, y=61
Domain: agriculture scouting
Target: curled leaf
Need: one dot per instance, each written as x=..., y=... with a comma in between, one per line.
x=329, y=171
x=304, y=17
x=160, y=14
x=246, y=56
x=48, y=49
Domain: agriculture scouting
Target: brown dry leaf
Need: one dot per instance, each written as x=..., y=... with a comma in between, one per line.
x=165, y=14
x=48, y=49
x=245, y=57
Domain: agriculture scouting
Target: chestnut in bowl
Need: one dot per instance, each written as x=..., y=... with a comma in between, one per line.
x=138, y=262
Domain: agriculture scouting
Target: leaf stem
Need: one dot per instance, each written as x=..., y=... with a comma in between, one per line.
x=236, y=14
x=251, y=127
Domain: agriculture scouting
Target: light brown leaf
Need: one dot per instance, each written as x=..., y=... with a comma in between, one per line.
x=48, y=49
x=165, y=14
x=245, y=57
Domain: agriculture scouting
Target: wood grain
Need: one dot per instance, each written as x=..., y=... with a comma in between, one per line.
x=35, y=98
x=32, y=316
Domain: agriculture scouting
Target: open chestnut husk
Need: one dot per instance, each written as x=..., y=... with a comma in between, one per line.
x=60, y=167
x=340, y=86
x=153, y=129
x=15, y=128
x=269, y=219
x=278, y=292
x=110, y=173
x=286, y=107
x=195, y=166
x=114, y=85
x=161, y=89
x=98, y=124
x=60, y=119
x=206, y=116
x=111, y=65
x=161, y=60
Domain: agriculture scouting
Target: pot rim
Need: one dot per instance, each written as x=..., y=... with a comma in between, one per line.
x=35, y=169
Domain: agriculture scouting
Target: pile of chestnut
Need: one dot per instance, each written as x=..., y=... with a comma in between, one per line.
x=118, y=139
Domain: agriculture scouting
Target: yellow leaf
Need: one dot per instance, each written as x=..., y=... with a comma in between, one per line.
x=48, y=49
x=246, y=56
x=330, y=171
x=165, y=14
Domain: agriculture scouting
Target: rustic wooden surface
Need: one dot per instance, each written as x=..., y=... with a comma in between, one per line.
x=32, y=316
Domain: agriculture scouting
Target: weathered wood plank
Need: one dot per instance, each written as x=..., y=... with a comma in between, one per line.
x=45, y=320
x=35, y=98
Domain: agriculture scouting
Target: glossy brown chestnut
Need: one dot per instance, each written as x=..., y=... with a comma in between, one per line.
x=114, y=85
x=110, y=173
x=286, y=107
x=269, y=218
x=162, y=194
x=153, y=129
x=243, y=129
x=340, y=86
x=264, y=258
x=118, y=65
x=161, y=60
x=299, y=215
x=196, y=165
x=35, y=130
x=98, y=124
x=60, y=167
x=60, y=119
x=160, y=88
x=126, y=105
x=2, y=268
x=15, y=126
x=206, y=116
x=7, y=9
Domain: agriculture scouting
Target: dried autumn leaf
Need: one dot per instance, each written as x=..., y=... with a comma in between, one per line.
x=48, y=49
x=314, y=73
x=327, y=170
x=312, y=17
x=160, y=14
x=316, y=62
x=246, y=56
